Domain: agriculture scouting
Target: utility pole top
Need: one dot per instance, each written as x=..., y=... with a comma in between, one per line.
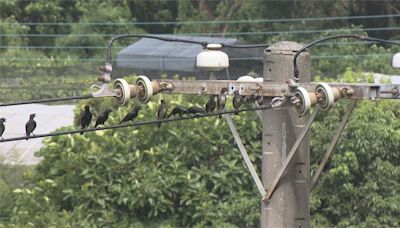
x=284, y=47
x=285, y=50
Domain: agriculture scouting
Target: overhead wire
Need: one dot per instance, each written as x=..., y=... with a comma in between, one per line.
x=249, y=0
x=172, y=39
x=341, y=36
x=309, y=31
x=46, y=100
x=141, y=123
x=13, y=59
x=105, y=47
x=273, y=20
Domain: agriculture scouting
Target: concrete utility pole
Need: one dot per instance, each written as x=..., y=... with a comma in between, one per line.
x=289, y=203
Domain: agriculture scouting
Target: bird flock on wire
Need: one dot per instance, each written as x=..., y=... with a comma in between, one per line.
x=215, y=101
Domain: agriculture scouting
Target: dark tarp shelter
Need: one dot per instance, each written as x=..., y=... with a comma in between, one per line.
x=156, y=57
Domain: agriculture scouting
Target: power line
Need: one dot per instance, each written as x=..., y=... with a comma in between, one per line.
x=275, y=20
x=341, y=36
x=180, y=59
x=135, y=124
x=105, y=47
x=55, y=47
x=204, y=44
x=249, y=0
x=47, y=100
x=348, y=56
x=207, y=34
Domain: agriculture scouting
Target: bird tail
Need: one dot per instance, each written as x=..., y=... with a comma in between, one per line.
x=159, y=125
x=82, y=131
x=236, y=113
x=27, y=135
x=169, y=115
x=220, y=116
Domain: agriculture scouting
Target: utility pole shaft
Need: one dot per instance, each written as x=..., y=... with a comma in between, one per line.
x=289, y=204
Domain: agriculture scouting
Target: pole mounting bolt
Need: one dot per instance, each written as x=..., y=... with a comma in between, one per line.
x=396, y=91
x=345, y=91
x=257, y=89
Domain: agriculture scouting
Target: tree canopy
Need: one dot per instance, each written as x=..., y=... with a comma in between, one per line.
x=190, y=173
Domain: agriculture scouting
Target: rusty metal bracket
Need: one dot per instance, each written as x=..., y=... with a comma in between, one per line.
x=353, y=91
x=333, y=143
x=270, y=190
x=245, y=156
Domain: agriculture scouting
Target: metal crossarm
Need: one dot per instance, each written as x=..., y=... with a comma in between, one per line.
x=354, y=91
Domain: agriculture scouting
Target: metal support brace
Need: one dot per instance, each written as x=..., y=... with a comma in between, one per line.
x=333, y=143
x=245, y=156
x=290, y=156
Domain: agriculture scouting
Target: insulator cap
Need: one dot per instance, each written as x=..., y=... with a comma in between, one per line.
x=212, y=58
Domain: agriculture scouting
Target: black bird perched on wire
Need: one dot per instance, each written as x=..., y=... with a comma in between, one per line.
x=103, y=117
x=86, y=118
x=194, y=110
x=131, y=115
x=162, y=112
x=221, y=99
x=237, y=101
x=178, y=110
x=2, y=127
x=210, y=106
x=30, y=125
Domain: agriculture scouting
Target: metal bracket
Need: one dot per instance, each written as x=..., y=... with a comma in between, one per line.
x=278, y=102
x=333, y=143
x=290, y=156
x=102, y=90
x=245, y=156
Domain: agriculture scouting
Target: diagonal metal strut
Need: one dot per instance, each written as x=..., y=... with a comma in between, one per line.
x=290, y=156
x=245, y=156
x=333, y=143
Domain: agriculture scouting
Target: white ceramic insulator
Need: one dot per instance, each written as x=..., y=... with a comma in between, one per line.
x=147, y=89
x=123, y=87
x=305, y=99
x=212, y=59
x=327, y=91
x=396, y=61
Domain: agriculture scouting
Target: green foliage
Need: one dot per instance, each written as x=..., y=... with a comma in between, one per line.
x=127, y=175
x=360, y=184
x=107, y=11
x=11, y=177
x=41, y=87
x=10, y=25
x=190, y=173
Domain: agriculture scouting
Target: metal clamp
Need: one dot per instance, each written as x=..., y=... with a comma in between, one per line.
x=102, y=90
x=277, y=102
